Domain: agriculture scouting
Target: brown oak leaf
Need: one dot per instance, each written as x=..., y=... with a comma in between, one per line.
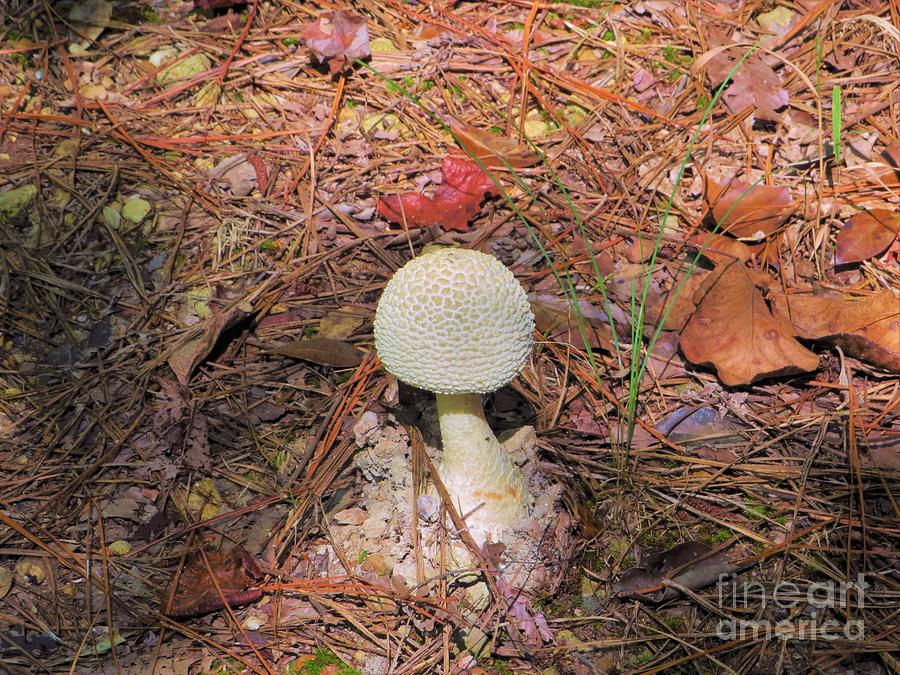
x=867, y=328
x=734, y=331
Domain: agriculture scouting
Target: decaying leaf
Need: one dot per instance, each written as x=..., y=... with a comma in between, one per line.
x=748, y=212
x=337, y=38
x=236, y=575
x=867, y=328
x=324, y=351
x=734, y=331
x=690, y=564
x=492, y=150
x=189, y=354
x=866, y=235
x=753, y=84
x=454, y=203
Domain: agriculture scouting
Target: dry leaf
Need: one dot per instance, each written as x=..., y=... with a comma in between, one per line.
x=866, y=235
x=734, y=331
x=867, y=328
x=691, y=564
x=753, y=84
x=559, y=322
x=680, y=307
x=236, y=574
x=324, y=351
x=492, y=150
x=342, y=323
x=455, y=202
x=721, y=249
x=748, y=212
x=186, y=357
x=337, y=38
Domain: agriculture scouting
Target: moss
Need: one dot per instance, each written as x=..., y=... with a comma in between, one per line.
x=290, y=41
x=583, y=3
x=317, y=665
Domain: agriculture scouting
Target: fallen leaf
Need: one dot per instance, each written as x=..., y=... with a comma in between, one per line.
x=557, y=320
x=235, y=572
x=734, y=331
x=748, y=212
x=6, y=579
x=720, y=249
x=867, y=328
x=189, y=354
x=337, y=38
x=342, y=323
x=866, y=235
x=676, y=304
x=324, y=351
x=753, y=84
x=101, y=641
x=217, y=4
x=690, y=564
x=240, y=174
x=454, y=203
x=492, y=150
x=691, y=423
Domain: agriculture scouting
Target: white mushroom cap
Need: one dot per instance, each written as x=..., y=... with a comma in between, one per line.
x=454, y=321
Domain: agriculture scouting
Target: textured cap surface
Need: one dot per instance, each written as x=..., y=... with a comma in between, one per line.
x=454, y=321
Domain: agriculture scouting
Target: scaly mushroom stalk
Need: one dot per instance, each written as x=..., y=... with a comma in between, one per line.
x=477, y=472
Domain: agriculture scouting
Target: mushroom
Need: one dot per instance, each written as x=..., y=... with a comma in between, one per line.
x=457, y=323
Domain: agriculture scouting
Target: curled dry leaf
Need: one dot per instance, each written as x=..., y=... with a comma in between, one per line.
x=189, y=354
x=866, y=235
x=560, y=322
x=867, y=328
x=734, y=331
x=454, y=203
x=236, y=575
x=745, y=211
x=337, y=38
x=492, y=150
x=690, y=564
x=324, y=351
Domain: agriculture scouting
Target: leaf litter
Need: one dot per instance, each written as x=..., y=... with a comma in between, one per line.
x=195, y=234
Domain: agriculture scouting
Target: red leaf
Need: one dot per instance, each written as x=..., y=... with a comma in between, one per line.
x=454, y=203
x=235, y=573
x=336, y=38
x=866, y=235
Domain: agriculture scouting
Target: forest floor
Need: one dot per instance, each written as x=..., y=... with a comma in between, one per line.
x=200, y=203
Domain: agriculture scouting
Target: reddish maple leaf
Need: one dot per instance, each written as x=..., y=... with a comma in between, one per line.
x=235, y=573
x=454, y=203
x=336, y=38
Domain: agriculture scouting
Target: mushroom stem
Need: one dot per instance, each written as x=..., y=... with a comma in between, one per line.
x=477, y=472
